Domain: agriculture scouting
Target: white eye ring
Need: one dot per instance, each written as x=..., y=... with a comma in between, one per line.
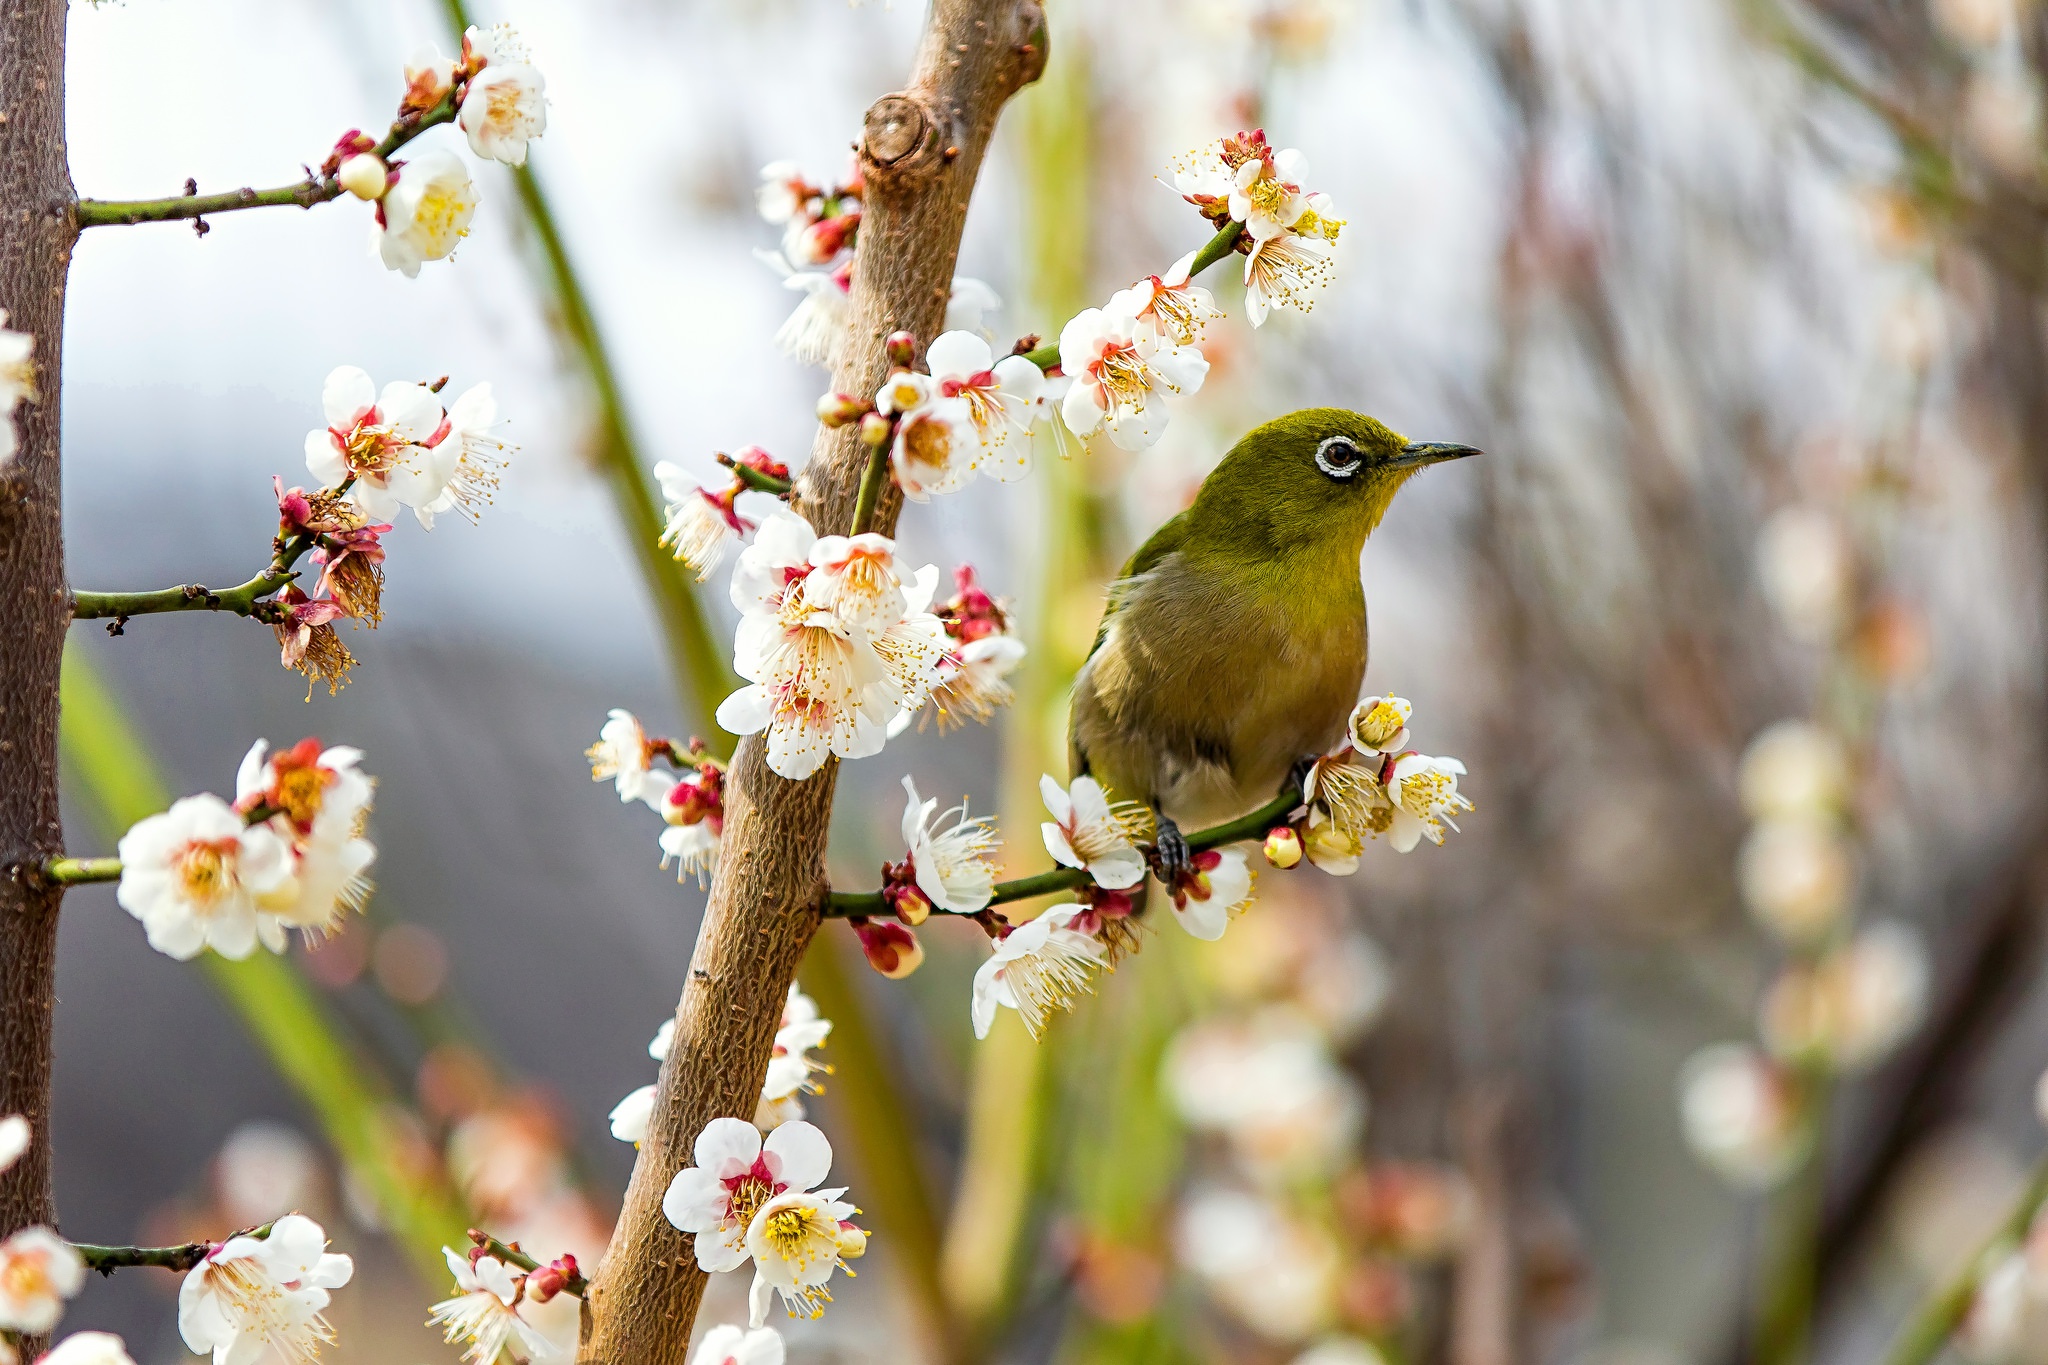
x=1338, y=471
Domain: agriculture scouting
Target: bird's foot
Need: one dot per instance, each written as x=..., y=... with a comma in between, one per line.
x=1298, y=774
x=1170, y=852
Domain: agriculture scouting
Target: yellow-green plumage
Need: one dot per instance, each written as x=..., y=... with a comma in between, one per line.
x=1234, y=644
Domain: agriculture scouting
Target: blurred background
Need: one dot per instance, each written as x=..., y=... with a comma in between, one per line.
x=1712, y=1037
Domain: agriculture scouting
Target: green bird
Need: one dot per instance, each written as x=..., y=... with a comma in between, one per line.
x=1233, y=644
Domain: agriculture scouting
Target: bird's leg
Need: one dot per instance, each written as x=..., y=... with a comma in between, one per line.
x=1298, y=774
x=1170, y=853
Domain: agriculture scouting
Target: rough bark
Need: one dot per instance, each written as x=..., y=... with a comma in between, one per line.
x=920, y=152
x=35, y=247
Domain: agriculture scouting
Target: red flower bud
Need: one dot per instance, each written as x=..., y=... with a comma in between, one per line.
x=901, y=348
x=891, y=949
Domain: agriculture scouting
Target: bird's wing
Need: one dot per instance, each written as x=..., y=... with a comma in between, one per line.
x=1165, y=541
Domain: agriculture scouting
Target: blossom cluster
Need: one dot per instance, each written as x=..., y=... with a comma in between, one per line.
x=792, y=1071
x=755, y=1198
x=1371, y=784
x=1844, y=999
x=288, y=853
x=833, y=641
x=703, y=522
x=424, y=204
x=820, y=225
x=378, y=452
x=485, y=1314
x=690, y=797
x=1288, y=229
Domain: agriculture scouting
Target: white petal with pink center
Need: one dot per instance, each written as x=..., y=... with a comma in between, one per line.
x=270, y=1291
x=504, y=107
x=855, y=578
x=814, y=328
x=1036, y=969
x=193, y=875
x=1087, y=832
x=1122, y=370
x=1001, y=396
x=937, y=448
x=1178, y=307
x=736, y=1173
x=1220, y=891
x=393, y=443
x=1268, y=199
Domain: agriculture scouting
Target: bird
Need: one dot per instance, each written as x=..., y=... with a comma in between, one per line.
x=1232, y=646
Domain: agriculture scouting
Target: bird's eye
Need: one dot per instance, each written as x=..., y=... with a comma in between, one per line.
x=1338, y=458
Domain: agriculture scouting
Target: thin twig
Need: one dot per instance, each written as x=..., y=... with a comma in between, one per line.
x=841, y=904
x=754, y=478
x=78, y=871
x=314, y=189
x=512, y=1255
x=871, y=489
x=1929, y=1329
x=107, y=1260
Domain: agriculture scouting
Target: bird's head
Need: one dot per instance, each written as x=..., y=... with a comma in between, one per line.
x=1315, y=474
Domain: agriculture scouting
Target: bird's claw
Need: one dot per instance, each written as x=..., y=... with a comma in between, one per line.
x=1298, y=774
x=1170, y=852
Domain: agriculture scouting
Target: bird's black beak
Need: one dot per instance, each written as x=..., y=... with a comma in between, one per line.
x=1418, y=453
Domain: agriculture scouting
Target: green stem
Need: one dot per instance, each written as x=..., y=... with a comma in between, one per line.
x=1929, y=1329
x=1215, y=249
x=871, y=489
x=841, y=904
x=77, y=871
x=107, y=1260
x=314, y=189
x=754, y=478
x=242, y=600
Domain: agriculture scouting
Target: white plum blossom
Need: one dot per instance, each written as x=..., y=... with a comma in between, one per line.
x=1285, y=271
x=424, y=216
x=484, y=1314
x=955, y=866
x=15, y=1136
x=813, y=330
x=856, y=579
x=253, y=1292
x=797, y=1239
x=1215, y=886
x=38, y=1271
x=194, y=877
x=17, y=384
x=1001, y=397
x=1797, y=876
x=624, y=754
x=1854, y=1005
x=701, y=522
x=630, y=1115
x=1035, y=969
x=783, y=193
x=968, y=307
x=976, y=679
x=1379, y=725
x=88, y=1348
x=737, y=1172
x=394, y=444
x=1122, y=369
x=693, y=848
x=479, y=457
x=1269, y=1084
x=1424, y=791
x=1266, y=193
x=505, y=105
x=318, y=801
x=726, y=1344
x=791, y=1068
x=1181, y=309
x=1087, y=832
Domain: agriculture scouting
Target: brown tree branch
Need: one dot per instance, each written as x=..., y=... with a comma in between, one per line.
x=920, y=152
x=36, y=232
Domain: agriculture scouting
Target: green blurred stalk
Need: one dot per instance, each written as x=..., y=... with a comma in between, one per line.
x=366, y=1124
x=1004, y=1162
x=1929, y=1329
x=698, y=663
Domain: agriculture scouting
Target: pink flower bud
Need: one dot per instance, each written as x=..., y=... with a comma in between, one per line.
x=840, y=409
x=761, y=462
x=901, y=348
x=911, y=905
x=891, y=949
x=1283, y=846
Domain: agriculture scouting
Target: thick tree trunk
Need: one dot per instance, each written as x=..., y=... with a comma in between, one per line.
x=920, y=153
x=35, y=247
